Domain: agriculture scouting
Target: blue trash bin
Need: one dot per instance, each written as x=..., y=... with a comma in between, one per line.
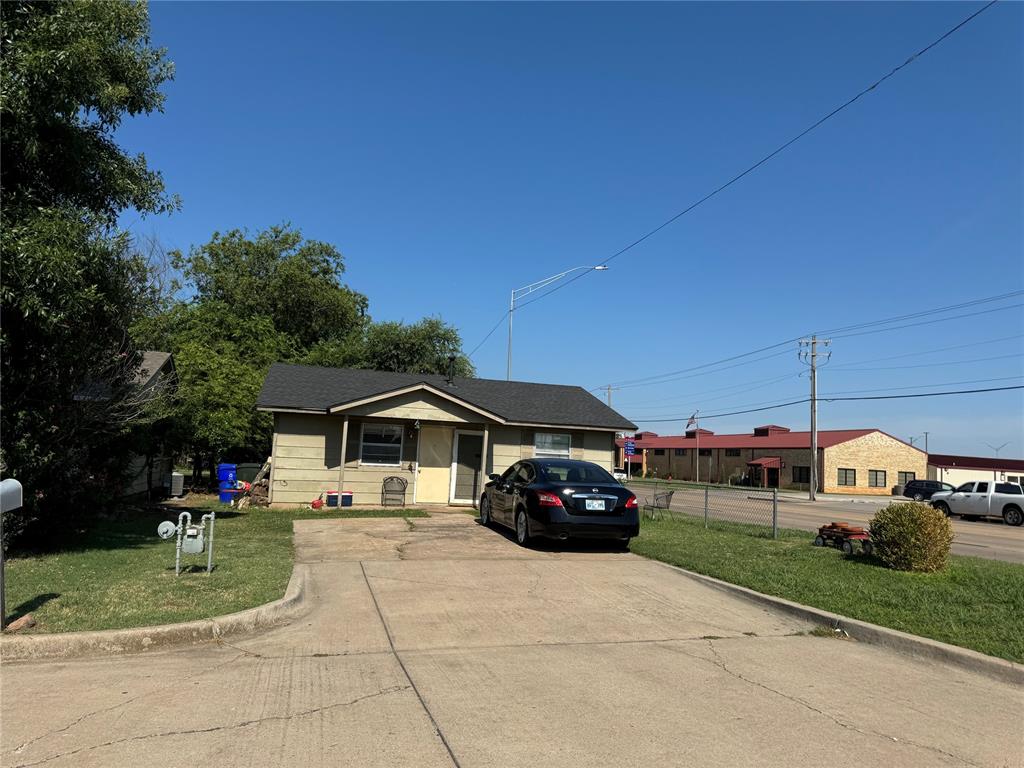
x=227, y=473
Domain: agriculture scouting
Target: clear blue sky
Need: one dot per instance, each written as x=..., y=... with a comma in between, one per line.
x=454, y=152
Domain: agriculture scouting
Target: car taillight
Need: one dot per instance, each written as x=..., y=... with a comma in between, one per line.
x=548, y=500
x=631, y=502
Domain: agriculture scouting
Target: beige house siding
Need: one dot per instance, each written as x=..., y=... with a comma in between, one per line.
x=872, y=451
x=307, y=449
x=425, y=406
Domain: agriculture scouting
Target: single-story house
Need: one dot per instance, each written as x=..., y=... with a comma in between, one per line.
x=864, y=461
x=155, y=378
x=964, y=469
x=349, y=429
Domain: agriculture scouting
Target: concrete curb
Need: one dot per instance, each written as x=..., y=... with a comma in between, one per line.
x=901, y=642
x=63, y=645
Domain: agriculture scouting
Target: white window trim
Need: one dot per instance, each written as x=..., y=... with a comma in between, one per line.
x=362, y=443
x=538, y=455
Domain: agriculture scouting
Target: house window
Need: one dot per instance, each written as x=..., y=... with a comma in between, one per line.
x=801, y=474
x=876, y=478
x=1013, y=479
x=732, y=451
x=659, y=451
x=847, y=477
x=705, y=451
x=552, y=445
x=381, y=444
x=679, y=451
x=905, y=477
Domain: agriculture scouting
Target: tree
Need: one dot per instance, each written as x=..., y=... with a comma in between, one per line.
x=72, y=285
x=272, y=297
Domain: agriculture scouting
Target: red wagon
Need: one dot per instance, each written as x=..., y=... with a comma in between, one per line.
x=842, y=535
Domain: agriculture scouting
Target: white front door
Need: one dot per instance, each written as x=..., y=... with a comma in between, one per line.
x=433, y=480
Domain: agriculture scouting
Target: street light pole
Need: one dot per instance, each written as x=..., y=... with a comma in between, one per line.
x=518, y=293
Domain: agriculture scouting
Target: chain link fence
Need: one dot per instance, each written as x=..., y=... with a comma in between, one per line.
x=756, y=509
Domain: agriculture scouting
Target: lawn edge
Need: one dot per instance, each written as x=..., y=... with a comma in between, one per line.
x=64, y=645
x=919, y=647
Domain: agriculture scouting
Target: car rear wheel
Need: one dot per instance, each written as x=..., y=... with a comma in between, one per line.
x=1013, y=516
x=847, y=547
x=485, y=512
x=522, y=529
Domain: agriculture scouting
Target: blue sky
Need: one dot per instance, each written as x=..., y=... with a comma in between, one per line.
x=454, y=152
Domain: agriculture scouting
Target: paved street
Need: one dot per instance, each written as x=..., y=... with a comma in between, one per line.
x=980, y=538
x=436, y=642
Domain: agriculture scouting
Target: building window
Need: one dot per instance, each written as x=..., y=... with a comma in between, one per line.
x=801, y=474
x=732, y=451
x=847, y=477
x=381, y=444
x=551, y=445
x=905, y=477
x=1013, y=479
x=876, y=478
x=705, y=452
x=679, y=451
x=659, y=451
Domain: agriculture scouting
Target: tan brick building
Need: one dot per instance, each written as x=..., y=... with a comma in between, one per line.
x=862, y=461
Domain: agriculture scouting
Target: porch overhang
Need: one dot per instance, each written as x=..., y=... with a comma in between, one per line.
x=766, y=462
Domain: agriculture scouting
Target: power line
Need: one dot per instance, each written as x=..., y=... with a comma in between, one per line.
x=928, y=322
x=489, y=333
x=644, y=405
x=846, y=369
x=903, y=355
x=772, y=154
x=838, y=399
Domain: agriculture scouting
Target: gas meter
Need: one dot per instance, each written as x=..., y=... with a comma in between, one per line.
x=191, y=538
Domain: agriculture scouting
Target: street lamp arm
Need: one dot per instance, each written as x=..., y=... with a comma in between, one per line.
x=526, y=290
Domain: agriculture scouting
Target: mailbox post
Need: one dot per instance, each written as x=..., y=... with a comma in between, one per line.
x=10, y=498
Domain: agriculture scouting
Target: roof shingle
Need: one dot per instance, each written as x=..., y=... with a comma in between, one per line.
x=315, y=388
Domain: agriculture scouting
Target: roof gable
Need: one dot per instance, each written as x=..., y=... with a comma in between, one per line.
x=319, y=390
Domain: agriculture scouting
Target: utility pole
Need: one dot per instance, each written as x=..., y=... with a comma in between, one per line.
x=609, y=389
x=809, y=355
x=926, y=442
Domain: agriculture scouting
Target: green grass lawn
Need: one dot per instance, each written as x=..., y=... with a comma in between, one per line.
x=122, y=575
x=974, y=603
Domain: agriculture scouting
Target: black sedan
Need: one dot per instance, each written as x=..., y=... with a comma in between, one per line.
x=558, y=499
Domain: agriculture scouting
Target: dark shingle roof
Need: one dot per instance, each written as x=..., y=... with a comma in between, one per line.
x=315, y=388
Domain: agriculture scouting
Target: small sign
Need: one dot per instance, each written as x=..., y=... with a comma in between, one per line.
x=630, y=447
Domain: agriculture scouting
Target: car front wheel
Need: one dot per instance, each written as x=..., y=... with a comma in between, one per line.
x=522, y=529
x=485, y=512
x=1013, y=516
x=918, y=497
x=943, y=508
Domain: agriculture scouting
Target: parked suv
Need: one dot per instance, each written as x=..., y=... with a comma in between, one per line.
x=921, y=490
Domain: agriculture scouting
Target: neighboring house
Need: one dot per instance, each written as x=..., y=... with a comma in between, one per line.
x=155, y=376
x=863, y=461
x=349, y=429
x=963, y=469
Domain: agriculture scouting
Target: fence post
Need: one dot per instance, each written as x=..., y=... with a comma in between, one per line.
x=775, y=513
x=705, y=506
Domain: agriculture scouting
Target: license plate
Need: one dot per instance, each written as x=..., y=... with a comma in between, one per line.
x=595, y=504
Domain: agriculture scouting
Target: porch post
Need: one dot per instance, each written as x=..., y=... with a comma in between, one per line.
x=341, y=469
x=483, y=465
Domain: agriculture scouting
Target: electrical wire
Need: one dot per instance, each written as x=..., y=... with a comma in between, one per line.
x=485, y=338
x=704, y=417
x=902, y=355
x=762, y=161
x=939, y=364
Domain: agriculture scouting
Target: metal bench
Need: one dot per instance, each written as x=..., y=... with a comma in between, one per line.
x=661, y=502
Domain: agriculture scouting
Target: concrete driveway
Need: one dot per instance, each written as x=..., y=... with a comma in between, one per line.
x=435, y=642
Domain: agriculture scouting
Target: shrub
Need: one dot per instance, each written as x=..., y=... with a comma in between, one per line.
x=912, y=537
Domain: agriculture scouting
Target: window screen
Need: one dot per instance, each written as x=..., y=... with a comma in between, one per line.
x=381, y=444
x=847, y=477
x=551, y=444
x=876, y=478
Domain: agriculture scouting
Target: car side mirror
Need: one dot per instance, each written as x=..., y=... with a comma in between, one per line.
x=493, y=477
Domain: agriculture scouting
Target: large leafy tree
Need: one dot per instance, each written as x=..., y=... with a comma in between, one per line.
x=72, y=285
x=258, y=299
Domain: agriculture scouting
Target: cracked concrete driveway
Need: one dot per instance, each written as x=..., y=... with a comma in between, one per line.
x=435, y=642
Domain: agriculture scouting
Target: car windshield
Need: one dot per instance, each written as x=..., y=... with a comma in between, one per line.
x=574, y=472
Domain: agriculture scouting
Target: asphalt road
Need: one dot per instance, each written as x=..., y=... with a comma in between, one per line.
x=436, y=642
x=981, y=538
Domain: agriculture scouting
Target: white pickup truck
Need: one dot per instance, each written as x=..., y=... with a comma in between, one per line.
x=983, y=499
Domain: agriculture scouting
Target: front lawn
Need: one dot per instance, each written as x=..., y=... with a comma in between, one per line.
x=974, y=603
x=122, y=575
